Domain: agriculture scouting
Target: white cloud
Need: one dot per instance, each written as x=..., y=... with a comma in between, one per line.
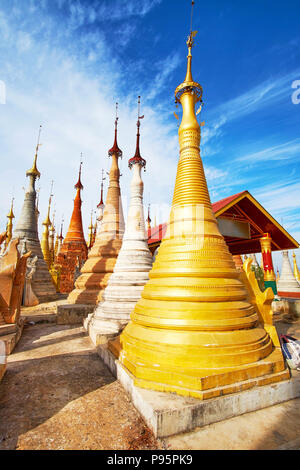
x=285, y=151
x=53, y=88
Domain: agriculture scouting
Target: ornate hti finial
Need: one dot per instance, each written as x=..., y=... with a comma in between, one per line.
x=189, y=83
x=34, y=171
x=9, y=226
x=10, y=215
x=78, y=185
x=47, y=221
x=115, y=149
x=61, y=229
x=101, y=203
x=137, y=156
x=148, y=218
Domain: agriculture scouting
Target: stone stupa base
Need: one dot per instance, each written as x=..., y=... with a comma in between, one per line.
x=73, y=314
x=113, y=313
x=169, y=414
x=10, y=335
x=106, y=329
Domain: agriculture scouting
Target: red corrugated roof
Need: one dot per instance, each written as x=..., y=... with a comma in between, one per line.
x=227, y=200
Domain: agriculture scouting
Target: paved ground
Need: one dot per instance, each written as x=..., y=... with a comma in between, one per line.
x=57, y=394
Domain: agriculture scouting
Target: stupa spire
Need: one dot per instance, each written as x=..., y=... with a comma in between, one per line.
x=194, y=331
x=137, y=156
x=75, y=231
x=115, y=149
x=148, y=218
x=101, y=203
x=45, y=237
x=78, y=185
x=60, y=238
x=34, y=172
x=9, y=226
x=91, y=227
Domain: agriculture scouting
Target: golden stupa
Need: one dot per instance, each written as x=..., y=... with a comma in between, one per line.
x=196, y=331
x=45, y=236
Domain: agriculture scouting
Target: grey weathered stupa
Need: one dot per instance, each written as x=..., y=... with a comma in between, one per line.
x=26, y=230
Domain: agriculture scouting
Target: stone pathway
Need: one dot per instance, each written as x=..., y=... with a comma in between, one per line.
x=57, y=394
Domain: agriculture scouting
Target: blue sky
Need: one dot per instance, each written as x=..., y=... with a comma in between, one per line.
x=65, y=63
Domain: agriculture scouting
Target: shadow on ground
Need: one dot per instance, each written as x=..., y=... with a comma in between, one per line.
x=65, y=399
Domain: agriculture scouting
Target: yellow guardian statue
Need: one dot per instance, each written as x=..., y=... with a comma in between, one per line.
x=195, y=331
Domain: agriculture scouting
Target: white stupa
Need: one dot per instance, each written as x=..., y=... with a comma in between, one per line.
x=287, y=281
x=131, y=271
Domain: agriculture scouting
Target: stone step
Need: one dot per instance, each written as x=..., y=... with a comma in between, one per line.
x=47, y=317
x=11, y=337
x=7, y=329
x=10, y=342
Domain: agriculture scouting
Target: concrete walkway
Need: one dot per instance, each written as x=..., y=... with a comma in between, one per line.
x=57, y=394
x=276, y=427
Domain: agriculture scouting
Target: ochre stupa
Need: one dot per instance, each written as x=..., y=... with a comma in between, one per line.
x=74, y=249
x=102, y=257
x=131, y=270
x=195, y=330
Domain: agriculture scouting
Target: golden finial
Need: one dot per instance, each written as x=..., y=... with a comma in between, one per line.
x=47, y=221
x=34, y=171
x=78, y=185
x=101, y=199
x=115, y=149
x=189, y=83
x=10, y=215
x=137, y=156
x=61, y=229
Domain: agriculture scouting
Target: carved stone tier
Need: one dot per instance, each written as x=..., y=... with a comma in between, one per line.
x=131, y=271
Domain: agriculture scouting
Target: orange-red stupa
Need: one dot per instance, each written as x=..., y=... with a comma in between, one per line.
x=73, y=251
